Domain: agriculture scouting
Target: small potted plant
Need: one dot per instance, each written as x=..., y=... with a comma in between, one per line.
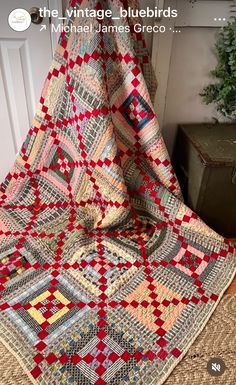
x=223, y=91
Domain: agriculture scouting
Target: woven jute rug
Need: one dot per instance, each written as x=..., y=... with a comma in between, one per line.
x=106, y=276
x=217, y=340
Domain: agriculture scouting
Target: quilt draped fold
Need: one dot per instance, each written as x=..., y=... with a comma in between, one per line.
x=106, y=277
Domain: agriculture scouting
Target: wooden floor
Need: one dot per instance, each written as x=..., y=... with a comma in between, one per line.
x=232, y=288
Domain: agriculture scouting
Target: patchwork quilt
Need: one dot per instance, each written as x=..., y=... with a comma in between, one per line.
x=106, y=277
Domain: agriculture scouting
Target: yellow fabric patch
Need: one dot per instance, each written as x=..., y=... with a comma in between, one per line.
x=40, y=298
x=38, y=316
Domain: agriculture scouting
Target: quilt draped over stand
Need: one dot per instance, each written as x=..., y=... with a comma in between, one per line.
x=106, y=277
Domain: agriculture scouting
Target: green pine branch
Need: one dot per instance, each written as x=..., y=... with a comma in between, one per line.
x=223, y=91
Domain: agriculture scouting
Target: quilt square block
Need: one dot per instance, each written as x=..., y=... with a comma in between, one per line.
x=190, y=260
x=14, y=262
x=154, y=306
x=136, y=111
x=12, y=265
x=49, y=307
x=59, y=164
x=45, y=310
x=90, y=268
x=100, y=357
x=62, y=164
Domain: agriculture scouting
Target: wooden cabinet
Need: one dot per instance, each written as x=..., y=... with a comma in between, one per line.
x=205, y=163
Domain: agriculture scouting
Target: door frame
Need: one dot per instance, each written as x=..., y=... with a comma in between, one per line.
x=55, y=4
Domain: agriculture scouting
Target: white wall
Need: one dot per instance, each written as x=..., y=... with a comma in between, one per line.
x=183, y=62
x=192, y=59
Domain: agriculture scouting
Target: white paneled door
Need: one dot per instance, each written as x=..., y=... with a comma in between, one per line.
x=24, y=62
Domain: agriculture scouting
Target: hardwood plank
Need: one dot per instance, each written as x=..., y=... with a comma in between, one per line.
x=232, y=288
